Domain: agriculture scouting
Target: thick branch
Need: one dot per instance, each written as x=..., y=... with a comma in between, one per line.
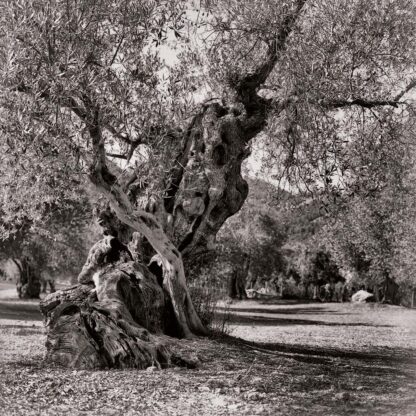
x=410, y=86
x=277, y=45
x=181, y=160
x=360, y=102
x=246, y=87
x=368, y=103
x=71, y=104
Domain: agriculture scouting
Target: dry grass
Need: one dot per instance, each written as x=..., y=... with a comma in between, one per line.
x=306, y=359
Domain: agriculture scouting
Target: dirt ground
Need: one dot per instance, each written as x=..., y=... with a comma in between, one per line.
x=293, y=359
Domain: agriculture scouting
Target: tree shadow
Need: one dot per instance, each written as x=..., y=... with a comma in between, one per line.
x=237, y=319
x=287, y=311
x=29, y=327
x=380, y=362
x=20, y=311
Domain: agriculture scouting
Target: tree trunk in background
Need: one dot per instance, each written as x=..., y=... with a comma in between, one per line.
x=390, y=289
x=413, y=297
x=232, y=287
x=238, y=279
x=376, y=293
x=236, y=286
x=315, y=291
x=47, y=280
x=28, y=284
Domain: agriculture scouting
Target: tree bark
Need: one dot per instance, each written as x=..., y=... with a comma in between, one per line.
x=390, y=289
x=28, y=284
x=210, y=188
x=237, y=281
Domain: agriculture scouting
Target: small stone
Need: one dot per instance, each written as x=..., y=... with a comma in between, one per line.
x=344, y=396
x=253, y=395
x=233, y=406
x=256, y=380
x=259, y=410
x=204, y=389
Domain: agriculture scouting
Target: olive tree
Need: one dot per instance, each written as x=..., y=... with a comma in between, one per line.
x=86, y=80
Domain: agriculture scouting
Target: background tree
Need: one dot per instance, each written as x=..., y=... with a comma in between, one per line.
x=257, y=232
x=51, y=247
x=364, y=231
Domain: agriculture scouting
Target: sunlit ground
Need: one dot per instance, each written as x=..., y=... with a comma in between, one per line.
x=297, y=359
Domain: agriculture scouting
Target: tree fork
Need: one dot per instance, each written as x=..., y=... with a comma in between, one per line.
x=145, y=223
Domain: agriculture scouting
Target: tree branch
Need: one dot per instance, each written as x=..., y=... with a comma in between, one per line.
x=277, y=45
x=175, y=174
x=410, y=86
x=67, y=102
x=117, y=156
x=122, y=136
x=368, y=103
x=71, y=104
x=360, y=102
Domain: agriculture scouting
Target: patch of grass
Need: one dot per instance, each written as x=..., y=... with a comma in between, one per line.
x=206, y=300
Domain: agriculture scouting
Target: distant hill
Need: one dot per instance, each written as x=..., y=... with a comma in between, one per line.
x=274, y=226
x=300, y=215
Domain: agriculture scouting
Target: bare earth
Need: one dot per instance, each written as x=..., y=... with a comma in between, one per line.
x=297, y=359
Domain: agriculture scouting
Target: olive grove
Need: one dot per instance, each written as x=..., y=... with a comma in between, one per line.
x=89, y=104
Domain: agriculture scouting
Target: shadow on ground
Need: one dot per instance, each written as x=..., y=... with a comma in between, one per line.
x=315, y=310
x=261, y=317
x=272, y=321
x=20, y=310
x=368, y=368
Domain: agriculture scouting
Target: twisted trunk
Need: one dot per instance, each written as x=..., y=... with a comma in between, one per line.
x=117, y=322
x=211, y=187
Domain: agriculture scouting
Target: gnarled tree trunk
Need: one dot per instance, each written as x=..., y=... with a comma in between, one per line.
x=115, y=318
x=205, y=188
